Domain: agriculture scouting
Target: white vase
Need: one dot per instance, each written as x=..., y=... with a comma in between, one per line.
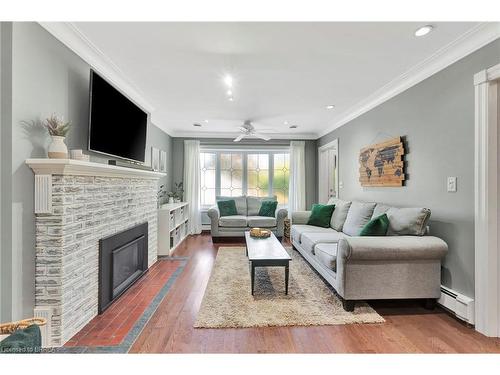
x=58, y=149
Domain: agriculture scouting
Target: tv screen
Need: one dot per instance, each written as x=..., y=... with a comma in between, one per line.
x=117, y=127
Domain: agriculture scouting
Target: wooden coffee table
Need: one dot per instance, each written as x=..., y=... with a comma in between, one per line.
x=266, y=252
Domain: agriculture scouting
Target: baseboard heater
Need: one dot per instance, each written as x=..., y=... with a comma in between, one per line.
x=460, y=305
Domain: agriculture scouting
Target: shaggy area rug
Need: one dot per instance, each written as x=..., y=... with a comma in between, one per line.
x=228, y=303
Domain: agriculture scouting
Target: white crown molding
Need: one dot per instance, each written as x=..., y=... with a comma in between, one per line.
x=469, y=42
x=74, y=39
x=197, y=134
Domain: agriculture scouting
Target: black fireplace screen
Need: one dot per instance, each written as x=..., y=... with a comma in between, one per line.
x=123, y=259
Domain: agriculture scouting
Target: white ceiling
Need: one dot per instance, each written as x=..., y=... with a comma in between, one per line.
x=282, y=71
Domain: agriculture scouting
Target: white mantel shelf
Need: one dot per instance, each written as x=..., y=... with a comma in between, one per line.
x=87, y=168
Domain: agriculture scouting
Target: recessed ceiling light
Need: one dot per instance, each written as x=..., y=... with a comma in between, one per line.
x=205, y=121
x=293, y=126
x=228, y=80
x=424, y=30
x=229, y=93
x=286, y=122
x=196, y=124
x=330, y=106
x=230, y=98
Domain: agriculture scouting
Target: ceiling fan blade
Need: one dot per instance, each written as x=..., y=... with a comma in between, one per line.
x=239, y=138
x=243, y=129
x=261, y=136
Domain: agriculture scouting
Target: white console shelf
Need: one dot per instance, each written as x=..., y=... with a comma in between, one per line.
x=173, y=219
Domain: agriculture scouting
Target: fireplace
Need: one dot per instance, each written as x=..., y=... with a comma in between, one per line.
x=123, y=259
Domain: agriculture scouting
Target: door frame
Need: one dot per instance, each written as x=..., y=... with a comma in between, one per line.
x=330, y=145
x=486, y=217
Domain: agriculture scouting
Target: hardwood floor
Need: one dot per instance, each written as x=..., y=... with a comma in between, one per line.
x=409, y=328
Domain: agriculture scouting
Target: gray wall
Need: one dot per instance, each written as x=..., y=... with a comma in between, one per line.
x=5, y=167
x=310, y=156
x=47, y=78
x=437, y=119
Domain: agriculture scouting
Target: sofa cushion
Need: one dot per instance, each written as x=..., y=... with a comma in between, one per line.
x=254, y=203
x=239, y=221
x=359, y=214
x=321, y=215
x=404, y=221
x=408, y=221
x=268, y=208
x=297, y=230
x=309, y=241
x=339, y=214
x=261, y=221
x=380, y=209
x=376, y=227
x=241, y=203
x=326, y=253
x=227, y=208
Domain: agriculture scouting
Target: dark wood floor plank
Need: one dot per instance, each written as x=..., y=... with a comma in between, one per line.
x=409, y=328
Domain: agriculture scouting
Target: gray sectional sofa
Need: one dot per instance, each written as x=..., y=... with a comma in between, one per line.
x=405, y=264
x=248, y=217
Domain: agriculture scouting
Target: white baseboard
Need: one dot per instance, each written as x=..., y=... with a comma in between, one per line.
x=462, y=306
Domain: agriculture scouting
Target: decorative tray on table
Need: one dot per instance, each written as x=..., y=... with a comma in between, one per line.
x=260, y=233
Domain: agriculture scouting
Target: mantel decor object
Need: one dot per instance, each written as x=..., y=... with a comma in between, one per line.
x=57, y=129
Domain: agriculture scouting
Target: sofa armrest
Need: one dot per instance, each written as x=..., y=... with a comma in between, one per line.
x=214, y=215
x=281, y=214
x=391, y=248
x=300, y=217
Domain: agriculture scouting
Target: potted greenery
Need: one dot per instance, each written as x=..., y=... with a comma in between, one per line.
x=57, y=129
x=176, y=195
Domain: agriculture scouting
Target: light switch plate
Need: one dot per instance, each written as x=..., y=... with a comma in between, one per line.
x=341, y=185
x=452, y=184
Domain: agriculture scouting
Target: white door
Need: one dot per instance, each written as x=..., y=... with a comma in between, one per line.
x=328, y=173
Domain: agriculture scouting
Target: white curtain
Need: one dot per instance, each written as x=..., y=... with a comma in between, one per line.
x=297, y=192
x=192, y=184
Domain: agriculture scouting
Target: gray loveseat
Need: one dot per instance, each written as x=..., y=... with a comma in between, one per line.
x=248, y=217
x=404, y=264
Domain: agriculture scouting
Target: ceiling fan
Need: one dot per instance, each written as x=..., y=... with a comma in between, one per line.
x=248, y=130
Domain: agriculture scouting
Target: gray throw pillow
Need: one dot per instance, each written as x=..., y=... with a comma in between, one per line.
x=359, y=214
x=408, y=221
x=339, y=214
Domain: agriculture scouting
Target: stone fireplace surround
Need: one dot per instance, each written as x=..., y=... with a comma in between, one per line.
x=76, y=204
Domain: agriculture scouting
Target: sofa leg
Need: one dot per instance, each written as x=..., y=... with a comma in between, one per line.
x=348, y=305
x=430, y=303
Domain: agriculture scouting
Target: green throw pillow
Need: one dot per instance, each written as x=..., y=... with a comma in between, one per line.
x=376, y=227
x=268, y=208
x=321, y=215
x=27, y=340
x=227, y=208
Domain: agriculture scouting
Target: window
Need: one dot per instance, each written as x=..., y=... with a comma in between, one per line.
x=235, y=173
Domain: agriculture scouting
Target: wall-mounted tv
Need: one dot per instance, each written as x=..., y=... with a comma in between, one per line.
x=117, y=126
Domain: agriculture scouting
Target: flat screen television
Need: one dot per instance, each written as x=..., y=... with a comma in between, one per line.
x=117, y=126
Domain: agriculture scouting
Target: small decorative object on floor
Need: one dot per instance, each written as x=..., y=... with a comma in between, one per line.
x=57, y=129
x=287, y=228
x=25, y=336
x=260, y=233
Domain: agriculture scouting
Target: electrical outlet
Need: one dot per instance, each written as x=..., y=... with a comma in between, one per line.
x=341, y=185
x=452, y=184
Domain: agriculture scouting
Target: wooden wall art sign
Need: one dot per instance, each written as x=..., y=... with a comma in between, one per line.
x=382, y=164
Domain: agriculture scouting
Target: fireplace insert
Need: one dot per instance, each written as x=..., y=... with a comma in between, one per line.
x=123, y=259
